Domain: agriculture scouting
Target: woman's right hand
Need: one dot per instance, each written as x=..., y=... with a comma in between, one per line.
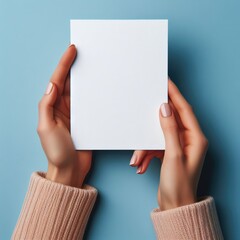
x=185, y=149
x=65, y=164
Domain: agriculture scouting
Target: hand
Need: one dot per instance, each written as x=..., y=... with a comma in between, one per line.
x=65, y=164
x=184, y=153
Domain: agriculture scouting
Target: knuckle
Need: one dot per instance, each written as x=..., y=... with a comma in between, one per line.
x=203, y=141
x=41, y=129
x=40, y=105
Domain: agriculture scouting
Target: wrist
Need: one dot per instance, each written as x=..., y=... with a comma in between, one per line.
x=168, y=205
x=66, y=175
x=170, y=202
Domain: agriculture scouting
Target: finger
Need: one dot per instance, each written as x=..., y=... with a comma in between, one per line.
x=177, y=117
x=197, y=140
x=66, y=91
x=137, y=157
x=45, y=108
x=170, y=130
x=144, y=165
x=60, y=74
x=183, y=108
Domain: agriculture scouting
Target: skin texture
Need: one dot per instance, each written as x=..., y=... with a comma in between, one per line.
x=65, y=164
x=183, y=157
x=182, y=160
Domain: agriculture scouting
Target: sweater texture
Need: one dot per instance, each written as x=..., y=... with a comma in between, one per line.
x=53, y=211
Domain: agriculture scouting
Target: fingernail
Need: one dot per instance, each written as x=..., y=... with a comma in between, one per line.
x=49, y=88
x=133, y=160
x=166, y=110
x=139, y=169
x=71, y=45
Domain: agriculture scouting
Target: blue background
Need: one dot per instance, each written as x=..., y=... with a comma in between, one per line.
x=204, y=53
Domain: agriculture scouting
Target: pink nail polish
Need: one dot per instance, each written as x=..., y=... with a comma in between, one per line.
x=133, y=160
x=165, y=110
x=49, y=88
x=139, y=170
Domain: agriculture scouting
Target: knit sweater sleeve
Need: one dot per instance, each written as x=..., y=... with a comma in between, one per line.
x=54, y=211
x=195, y=221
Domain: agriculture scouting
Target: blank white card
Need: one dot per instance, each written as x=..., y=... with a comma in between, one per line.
x=118, y=82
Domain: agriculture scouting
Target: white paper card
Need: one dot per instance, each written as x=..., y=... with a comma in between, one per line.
x=118, y=82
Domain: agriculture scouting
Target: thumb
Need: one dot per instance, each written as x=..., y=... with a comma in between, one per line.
x=170, y=129
x=45, y=107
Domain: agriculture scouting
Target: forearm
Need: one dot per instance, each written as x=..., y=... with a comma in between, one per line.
x=54, y=211
x=194, y=221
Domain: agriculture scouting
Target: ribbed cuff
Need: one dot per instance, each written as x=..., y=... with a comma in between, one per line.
x=194, y=221
x=53, y=210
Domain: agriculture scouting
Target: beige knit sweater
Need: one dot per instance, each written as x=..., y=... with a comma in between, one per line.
x=55, y=211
